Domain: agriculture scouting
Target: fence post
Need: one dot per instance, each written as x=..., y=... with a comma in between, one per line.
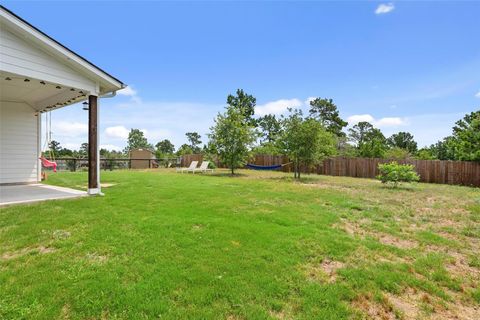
x=74, y=164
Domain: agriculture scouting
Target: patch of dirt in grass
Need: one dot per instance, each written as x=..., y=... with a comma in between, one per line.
x=459, y=266
x=65, y=313
x=355, y=229
x=363, y=256
x=94, y=257
x=397, y=242
x=197, y=227
x=328, y=186
x=464, y=312
x=61, y=234
x=107, y=185
x=6, y=228
x=330, y=268
x=449, y=236
x=352, y=228
x=22, y=252
x=281, y=315
x=326, y=271
x=458, y=308
x=413, y=304
x=407, y=304
x=374, y=309
x=236, y=243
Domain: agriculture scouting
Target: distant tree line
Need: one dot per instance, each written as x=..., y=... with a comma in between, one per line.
x=307, y=139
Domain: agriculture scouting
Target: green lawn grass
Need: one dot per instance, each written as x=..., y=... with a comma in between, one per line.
x=258, y=246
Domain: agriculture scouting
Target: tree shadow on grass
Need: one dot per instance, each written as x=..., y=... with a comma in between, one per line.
x=308, y=179
x=399, y=187
x=225, y=174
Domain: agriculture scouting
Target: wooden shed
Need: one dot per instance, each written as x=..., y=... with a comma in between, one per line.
x=142, y=159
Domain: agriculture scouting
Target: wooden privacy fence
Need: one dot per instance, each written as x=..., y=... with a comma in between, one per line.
x=432, y=171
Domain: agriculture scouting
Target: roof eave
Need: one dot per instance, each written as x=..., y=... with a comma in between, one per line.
x=108, y=81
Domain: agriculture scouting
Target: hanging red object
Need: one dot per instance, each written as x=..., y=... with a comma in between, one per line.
x=49, y=164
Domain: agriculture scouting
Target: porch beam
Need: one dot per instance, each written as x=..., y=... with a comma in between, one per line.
x=93, y=174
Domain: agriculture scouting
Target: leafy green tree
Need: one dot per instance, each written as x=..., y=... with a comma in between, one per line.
x=194, y=140
x=165, y=147
x=305, y=141
x=105, y=153
x=65, y=152
x=357, y=133
x=270, y=127
x=375, y=145
x=403, y=140
x=397, y=153
x=444, y=149
x=245, y=103
x=463, y=144
x=54, y=146
x=269, y=148
x=345, y=149
x=232, y=136
x=370, y=141
x=325, y=111
x=424, y=154
x=83, y=149
x=184, y=149
x=137, y=140
x=466, y=137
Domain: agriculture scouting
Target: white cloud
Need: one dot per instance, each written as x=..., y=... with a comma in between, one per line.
x=277, y=107
x=381, y=123
x=156, y=135
x=69, y=128
x=130, y=92
x=127, y=91
x=385, y=8
x=360, y=118
x=71, y=146
x=390, y=122
x=110, y=147
x=117, y=132
x=478, y=94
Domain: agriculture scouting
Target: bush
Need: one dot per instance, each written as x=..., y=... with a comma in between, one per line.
x=395, y=173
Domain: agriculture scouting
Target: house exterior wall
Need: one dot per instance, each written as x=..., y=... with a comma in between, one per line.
x=21, y=57
x=19, y=147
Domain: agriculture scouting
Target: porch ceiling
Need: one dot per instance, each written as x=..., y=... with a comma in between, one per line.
x=39, y=94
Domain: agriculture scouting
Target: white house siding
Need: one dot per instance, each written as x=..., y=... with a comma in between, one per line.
x=18, y=143
x=21, y=57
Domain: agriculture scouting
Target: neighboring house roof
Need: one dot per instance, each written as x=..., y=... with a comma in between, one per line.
x=107, y=82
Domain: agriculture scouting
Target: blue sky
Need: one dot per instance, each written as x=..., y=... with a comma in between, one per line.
x=404, y=66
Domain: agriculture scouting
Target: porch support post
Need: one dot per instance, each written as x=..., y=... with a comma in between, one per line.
x=39, y=146
x=93, y=174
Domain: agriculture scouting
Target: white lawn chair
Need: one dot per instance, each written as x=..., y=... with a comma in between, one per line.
x=203, y=167
x=193, y=165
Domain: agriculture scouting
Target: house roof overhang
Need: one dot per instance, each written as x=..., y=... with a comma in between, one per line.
x=105, y=83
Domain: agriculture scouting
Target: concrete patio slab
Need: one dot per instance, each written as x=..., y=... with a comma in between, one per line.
x=27, y=193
